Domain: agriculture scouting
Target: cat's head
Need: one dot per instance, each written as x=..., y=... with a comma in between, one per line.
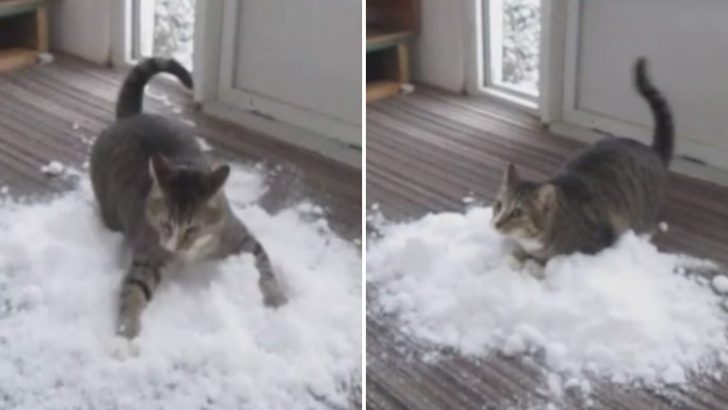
x=522, y=208
x=185, y=204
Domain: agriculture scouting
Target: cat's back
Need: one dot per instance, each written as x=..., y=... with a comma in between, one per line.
x=148, y=134
x=616, y=157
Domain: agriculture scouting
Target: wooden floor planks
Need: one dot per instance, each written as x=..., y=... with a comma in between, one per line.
x=428, y=150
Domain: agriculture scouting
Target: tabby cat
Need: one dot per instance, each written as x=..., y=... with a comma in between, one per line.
x=613, y=186
x=154, y=184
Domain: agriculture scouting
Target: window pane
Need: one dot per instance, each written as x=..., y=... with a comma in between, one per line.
x=173, y=29
x=520, y=44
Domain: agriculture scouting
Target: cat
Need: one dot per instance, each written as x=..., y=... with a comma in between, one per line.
x=153, y=183
x=609, y=188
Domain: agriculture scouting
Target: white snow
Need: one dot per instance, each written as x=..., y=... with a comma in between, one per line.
x=622, y=315
x=207, y=341
x=45, y=58
x=309, y=208
x=720, y=283
x=4, y=190
x=203, y=144
x=53, y=168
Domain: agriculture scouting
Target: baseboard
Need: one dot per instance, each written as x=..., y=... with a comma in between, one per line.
x=327, y=147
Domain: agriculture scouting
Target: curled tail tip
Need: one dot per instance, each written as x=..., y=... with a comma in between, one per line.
x=640, y=74
x=175, y=67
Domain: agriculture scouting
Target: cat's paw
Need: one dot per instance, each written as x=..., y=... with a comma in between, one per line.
x=534, y=269
x=128, y=326
x=513, y=263
x=273, y=295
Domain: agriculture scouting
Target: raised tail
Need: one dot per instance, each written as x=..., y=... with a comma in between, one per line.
x=663, y=142
x=132, y=91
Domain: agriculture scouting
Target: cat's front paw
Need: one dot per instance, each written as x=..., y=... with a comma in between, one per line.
x=514, y=263
x=273, y=295
x=534, y=268
x=129, y=326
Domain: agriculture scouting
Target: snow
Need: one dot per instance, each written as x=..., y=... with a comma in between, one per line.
x=622, y=315
x=207, y=341
x=204, y=145
x=174, y=30
x=5, y=190
x=45, y=58
x=53, y=168
x=720, y=284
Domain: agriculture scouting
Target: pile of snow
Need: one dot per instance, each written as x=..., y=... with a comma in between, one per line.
x=207, y=341
x=630, y=314
x=53, y=168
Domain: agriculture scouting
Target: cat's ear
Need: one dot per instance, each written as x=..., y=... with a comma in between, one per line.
x=510, y=177
x=217, y=178
x=160, y=169
x=546, y=197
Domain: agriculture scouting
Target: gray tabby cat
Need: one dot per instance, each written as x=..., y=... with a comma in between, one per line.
x=154, y=184
x=613, y=186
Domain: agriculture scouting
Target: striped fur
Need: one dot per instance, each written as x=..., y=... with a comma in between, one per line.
x=131, y=94
x=615, y=185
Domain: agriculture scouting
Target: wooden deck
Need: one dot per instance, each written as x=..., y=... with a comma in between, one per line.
x=427, y=151
x=46, y=113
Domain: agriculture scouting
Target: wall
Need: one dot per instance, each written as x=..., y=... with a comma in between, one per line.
x=82, y=28
x=439, y=52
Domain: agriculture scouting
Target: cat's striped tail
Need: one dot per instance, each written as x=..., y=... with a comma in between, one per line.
x=664, y=137
x=132, y=91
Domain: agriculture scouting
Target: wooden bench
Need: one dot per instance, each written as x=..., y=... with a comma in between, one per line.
x=391, y=24
x=23, y=32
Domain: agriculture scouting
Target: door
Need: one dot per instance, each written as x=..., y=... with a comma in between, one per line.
x=298, y=62
x=688, y=55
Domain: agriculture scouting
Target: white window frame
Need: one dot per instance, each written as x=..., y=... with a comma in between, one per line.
x=142, y=29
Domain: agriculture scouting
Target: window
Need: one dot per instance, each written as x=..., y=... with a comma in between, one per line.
x=512, y=42
x=163, y=28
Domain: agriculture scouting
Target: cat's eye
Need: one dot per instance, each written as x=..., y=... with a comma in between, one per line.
x=516, y=212
x=191, y=231
x=167, y=228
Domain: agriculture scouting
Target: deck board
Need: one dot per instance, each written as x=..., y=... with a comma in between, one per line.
x=428, y=150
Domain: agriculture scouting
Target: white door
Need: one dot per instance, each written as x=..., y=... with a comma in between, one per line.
x=298, y=62
x=687, y=48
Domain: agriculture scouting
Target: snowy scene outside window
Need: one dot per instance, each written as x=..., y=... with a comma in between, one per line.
x=174, y=25
x=513, y=36
x=164, y=28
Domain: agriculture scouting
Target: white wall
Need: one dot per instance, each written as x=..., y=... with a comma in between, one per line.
x=439, y=52
x=81, y=28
